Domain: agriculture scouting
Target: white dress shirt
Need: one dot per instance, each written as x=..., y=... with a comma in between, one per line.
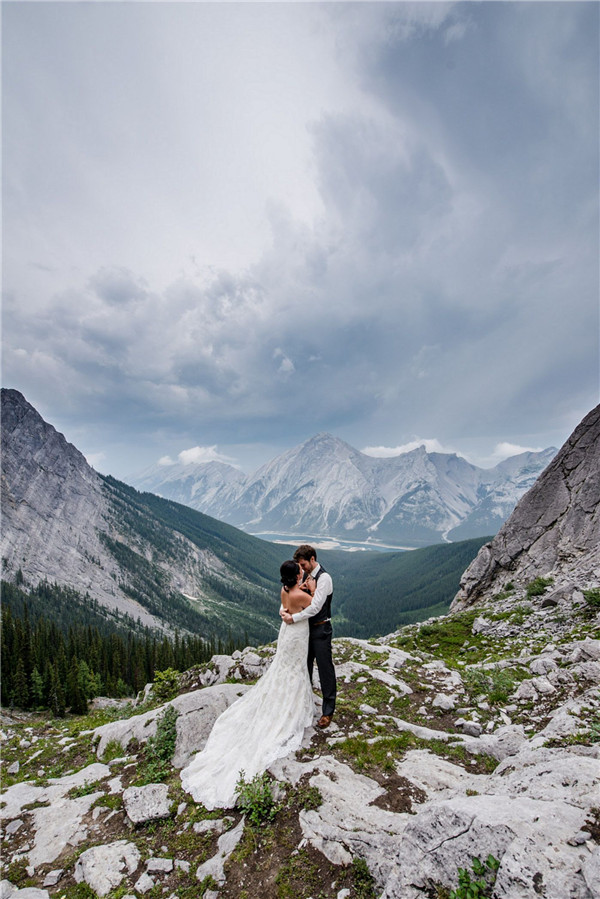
x=323, y=589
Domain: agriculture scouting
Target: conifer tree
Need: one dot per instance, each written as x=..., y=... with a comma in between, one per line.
x=37, y=688
x=56, y=696
x=21, y=687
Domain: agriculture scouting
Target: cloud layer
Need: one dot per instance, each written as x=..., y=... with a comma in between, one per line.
x=240, y=224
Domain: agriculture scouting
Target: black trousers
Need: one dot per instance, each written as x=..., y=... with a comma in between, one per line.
x=319, y=650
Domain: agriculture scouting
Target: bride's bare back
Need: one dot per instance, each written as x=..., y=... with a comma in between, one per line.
x=295, y=599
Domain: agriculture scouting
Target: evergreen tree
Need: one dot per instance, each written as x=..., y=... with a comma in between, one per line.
x=21, y=688
x=56, y=697
x=37, y=688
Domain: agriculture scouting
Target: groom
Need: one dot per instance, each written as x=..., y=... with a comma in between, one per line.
x=320, y=630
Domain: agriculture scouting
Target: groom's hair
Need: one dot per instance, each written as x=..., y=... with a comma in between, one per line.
x=305, y=552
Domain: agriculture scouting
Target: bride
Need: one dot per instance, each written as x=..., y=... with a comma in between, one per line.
x=268, y=721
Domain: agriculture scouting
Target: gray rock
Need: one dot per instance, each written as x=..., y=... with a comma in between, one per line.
x=526, y=690
x=159, y=865
x=197, y=712
x=52, y=877
x=30, y=893
x=591, y=872
x=444, y=702
x=542, y=665
x=215, y=866
x=144, y=883
x=585, y=650
x=183, y=865
x=542, y=685
x=216, y=824
x=104, y=867
x=481, y=625
x=147, y=803
x=589, y=671
x=14, y=826
x=554, y=528
x=13, y=769
x=7, y=889
x=472, y=728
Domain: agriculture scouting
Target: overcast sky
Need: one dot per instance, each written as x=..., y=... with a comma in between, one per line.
x=230, y=226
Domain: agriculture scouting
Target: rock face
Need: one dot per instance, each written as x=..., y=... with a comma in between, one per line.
x=53, y=506
x=325, y=486
x=64, y=523
x=555, y=528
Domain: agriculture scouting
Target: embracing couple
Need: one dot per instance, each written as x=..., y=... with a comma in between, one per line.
x=306, y=596
x=268, y=722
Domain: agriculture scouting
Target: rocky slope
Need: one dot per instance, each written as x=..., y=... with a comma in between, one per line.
x=467, y=737
x=326, y=487
x=64, y=523
x=555, y=529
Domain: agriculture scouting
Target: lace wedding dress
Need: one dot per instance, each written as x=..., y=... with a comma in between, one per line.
x=265, y=724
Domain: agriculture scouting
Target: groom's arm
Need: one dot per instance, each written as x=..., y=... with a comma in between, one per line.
x=323, y=589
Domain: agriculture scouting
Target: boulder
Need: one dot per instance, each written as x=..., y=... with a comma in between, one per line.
x=444, y=702
x=104, y=867
x=197, y=712
x=147, y=803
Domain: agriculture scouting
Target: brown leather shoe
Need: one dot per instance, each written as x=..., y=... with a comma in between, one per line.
x=324, y=721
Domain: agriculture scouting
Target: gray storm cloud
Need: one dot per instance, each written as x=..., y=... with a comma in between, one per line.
x=428, y=265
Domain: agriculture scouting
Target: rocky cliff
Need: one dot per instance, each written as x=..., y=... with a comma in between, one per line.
x=554, y=530
x=64, y=523
x=53, y=509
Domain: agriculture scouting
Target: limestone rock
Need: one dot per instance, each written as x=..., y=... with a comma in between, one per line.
x=542, y=665
x=215, y=866
x=104, y=867
x=555, y=527
x=444, y=702
x=52, y=877
x=591, y=872
x=144, y=883
x=197, y=712
x=147, y=803
x=30, y=893
x=43, y=473
x=159, y=865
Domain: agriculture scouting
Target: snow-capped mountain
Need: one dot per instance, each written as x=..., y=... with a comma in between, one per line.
x=327, y=487
x=191, y=483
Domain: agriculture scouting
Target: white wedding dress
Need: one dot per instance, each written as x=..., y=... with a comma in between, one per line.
x=265, y=724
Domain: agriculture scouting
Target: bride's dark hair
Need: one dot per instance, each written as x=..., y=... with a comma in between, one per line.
x=289, y=574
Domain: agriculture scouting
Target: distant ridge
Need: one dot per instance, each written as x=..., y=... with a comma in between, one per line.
x=326, y=487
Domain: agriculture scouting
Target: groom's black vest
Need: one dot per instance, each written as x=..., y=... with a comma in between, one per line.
x=325, y=611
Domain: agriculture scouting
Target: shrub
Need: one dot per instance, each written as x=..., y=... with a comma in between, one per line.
x=477, y=889
x=495, y=683
x=255, y=799
x=159, y=749
x=166, y=683
x=538, y=585
x=362, y=879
